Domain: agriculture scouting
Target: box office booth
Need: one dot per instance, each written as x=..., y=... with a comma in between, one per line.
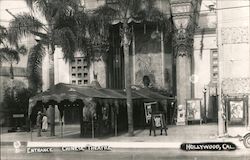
x=101, y=111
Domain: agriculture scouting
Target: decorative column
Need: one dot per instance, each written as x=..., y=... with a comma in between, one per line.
x=184, y=13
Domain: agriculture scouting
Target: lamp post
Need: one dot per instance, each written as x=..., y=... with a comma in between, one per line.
x=205, y=104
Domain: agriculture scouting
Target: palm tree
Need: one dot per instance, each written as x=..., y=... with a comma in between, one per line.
x=125, y=11
x=9, y=53
x=59, y=29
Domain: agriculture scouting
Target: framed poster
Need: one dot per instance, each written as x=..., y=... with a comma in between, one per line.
x=236, y=111
x=181, y=115
x=193, y=109
x=158, y=120
x=148, y=110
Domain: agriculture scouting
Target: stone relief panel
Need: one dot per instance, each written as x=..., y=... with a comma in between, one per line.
x=232, y=86
x=147, y=65
x=234, y=35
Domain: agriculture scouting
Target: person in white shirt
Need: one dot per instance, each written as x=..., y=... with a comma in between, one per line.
x=44, y=123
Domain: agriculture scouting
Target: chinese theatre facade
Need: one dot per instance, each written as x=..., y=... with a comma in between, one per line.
x=201, y=59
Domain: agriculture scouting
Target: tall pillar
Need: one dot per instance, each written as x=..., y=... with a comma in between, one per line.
x=183, y=73
x=221, y=103
x=184, y=15
x=183, y=57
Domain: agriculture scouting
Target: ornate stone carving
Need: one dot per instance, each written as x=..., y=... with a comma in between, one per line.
x=184, y=18
x=183, y=41
x=181, y=8
x=234, y=35
x=145, y=68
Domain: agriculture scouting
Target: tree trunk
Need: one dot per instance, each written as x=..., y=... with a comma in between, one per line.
x=51, y=84
x=126, y=42
x=12, y=80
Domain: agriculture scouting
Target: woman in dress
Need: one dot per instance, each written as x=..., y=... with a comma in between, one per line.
x=44, y=123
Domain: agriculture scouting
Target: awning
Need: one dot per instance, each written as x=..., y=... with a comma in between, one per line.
x=61, y=91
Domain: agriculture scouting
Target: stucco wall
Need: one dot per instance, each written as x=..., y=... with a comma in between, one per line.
x=62, y=69
x=99, y=68
x=204, y=42
x=234, y=49
x=202, y=57
x=234, y=39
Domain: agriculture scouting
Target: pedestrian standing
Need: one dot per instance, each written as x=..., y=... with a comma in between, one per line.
x=45, y=123
x=39, y=123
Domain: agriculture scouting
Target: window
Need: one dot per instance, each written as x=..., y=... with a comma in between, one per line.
x=79, y=68
x=214, y=66
x=79, y=61
x=79, y=81
x=79, y=75
x=85, y=81
x=79, y=71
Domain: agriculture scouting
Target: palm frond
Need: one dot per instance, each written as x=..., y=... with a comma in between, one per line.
x=99, y=23
x=2, y=27
x=135, y=7
x=81, y=20
x=106, y=13
x=123, y=7
x=69, y=22
x=66, y=39
x=22, y=25
x=9, y=54
x=22, y=50
x=3, y=34
x=30, y=3
x=52, y=10
x=148, y=12
x=35, y=58
x=3, y=57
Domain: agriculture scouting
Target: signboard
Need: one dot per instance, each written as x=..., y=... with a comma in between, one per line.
x=158, y=120
x=181, y=115
x=148, y=110
x=236, y=112
x=18, y=115
x=193, y=110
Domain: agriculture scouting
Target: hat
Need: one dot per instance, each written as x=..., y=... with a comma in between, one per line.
x=39, y=112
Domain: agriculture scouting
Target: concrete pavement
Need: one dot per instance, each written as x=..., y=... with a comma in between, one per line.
x=71, y=137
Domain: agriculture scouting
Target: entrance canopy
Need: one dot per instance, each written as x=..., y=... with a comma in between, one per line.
x=61, y=92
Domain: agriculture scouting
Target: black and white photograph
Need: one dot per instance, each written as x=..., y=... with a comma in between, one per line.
x=125, y=79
